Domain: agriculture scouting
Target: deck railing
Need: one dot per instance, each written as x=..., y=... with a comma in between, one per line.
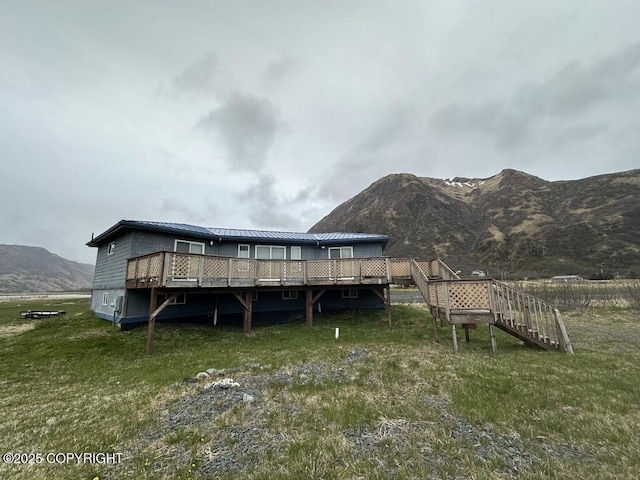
x=517, y=311
x=172, y=269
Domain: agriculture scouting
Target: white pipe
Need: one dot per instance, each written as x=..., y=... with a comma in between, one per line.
x=337, y=333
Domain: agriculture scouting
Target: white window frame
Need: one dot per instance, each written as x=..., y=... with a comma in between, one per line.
x=105, y=298
x=111, y=248
x=241, y=247
x=175, y=245
x=349, y=293
x=295, y=253
x=341, y=249
x=290, y=294
x=271, y=247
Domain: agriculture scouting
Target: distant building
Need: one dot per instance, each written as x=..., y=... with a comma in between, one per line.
x=567, y=278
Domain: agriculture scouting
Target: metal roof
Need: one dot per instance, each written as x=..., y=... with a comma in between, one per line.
x=234, y=234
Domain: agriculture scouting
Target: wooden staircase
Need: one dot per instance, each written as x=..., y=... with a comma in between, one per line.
x=468, y=302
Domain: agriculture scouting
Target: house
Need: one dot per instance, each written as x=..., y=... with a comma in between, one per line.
x=186, y=272
x=567, y=278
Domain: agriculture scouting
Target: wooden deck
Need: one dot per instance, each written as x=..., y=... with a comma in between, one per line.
x=451, y=300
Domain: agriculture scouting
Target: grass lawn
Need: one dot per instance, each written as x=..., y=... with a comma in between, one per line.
x=77, y=384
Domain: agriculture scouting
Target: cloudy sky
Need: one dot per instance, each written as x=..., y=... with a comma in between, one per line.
x=268, y=114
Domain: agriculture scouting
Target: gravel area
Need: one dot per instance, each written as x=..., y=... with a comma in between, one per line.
x=193, y=427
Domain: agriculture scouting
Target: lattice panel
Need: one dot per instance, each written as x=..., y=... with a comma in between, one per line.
x=400, y=268
x=374, y=268
x=243, y=268
x=269, y=269
x=294, y=269
x=131, y=270
x=347, y=268
x=426, y=268
x=214, y=267
x=143, y=264
x=182, y=266
x=155, y=264
x=322, y=269
x=468, y=295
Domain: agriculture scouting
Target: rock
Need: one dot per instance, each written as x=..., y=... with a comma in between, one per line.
x=225, y=383
x=246, y=398
x=211, y=371
x=202, y=376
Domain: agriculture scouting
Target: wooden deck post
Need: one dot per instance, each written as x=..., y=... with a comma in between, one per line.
x=435, y=329
x=466, y=332
x=245, y=298
x=310, y=301
x=494, y=346
x=154, y=310
x=454, y=338
x=308, y=321
x=248, y=313
x=388, y=306
x=153, y=304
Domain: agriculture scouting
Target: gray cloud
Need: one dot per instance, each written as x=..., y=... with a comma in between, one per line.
x=566, y=98
x=248, y=125
x=385, y=148
x=202, y=78
x=278, y=72
x=268, y=207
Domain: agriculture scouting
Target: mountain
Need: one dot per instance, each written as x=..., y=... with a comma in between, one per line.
x=512, y=223
x=34, y=269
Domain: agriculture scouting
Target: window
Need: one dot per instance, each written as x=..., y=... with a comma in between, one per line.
x=340, y=252
x=111, y=248
x=105, y=298
x=183, y=246
x=180, y=299
x=349, y=293
x=243, y=251
x=296, y=253
x=270, y=252
x=290, y=294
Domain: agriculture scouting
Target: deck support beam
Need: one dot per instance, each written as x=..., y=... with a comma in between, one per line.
x=246, y=299
x=154, y=311
x=310, y=300
x=386, y=298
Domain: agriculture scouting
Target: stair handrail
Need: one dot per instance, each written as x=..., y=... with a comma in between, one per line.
x=444, y=271
x=530, y=315
x=421, y=281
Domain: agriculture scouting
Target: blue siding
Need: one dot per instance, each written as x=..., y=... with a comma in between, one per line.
x=269, y=305
x=107, y=311
x=111, y=270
